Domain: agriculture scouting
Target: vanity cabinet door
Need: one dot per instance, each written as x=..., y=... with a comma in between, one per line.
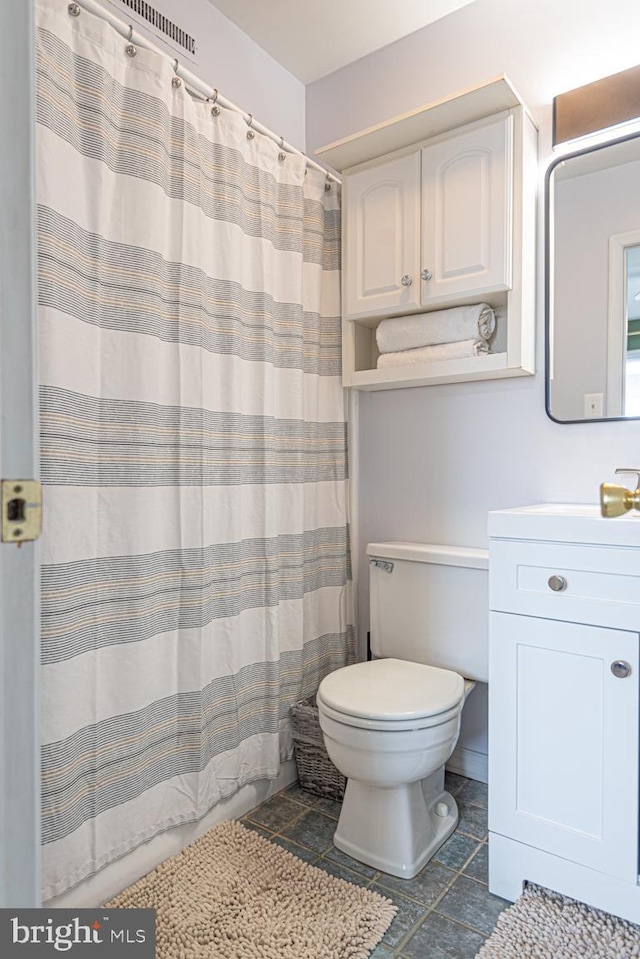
x=467, y=184
x=563, y=746
x=382, y=238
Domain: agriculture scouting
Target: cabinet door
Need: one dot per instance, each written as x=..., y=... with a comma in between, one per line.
x=563, y=741
x=382, y=238
x=467, y=212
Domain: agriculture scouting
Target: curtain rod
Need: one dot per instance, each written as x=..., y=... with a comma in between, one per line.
x=192, y=82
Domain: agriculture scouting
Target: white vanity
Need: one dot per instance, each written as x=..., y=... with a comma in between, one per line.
x=564, y=677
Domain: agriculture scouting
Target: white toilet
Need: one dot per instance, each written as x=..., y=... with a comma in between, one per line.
x=391, y=724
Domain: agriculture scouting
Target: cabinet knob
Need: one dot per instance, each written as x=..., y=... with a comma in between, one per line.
x=557, y=583
x=426, y=275
x=620, y=669
x=406, y=280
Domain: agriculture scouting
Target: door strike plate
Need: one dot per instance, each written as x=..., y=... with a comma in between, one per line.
x=21, y=510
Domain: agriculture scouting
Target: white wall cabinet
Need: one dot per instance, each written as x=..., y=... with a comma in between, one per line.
x=432, y=225
x=439, y=211
x=467, y=186
x=564, y=672
x=382, y=238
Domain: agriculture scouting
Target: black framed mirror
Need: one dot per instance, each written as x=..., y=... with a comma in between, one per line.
x=592, y=283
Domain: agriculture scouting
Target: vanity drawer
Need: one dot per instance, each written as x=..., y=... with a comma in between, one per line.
x=580, y=584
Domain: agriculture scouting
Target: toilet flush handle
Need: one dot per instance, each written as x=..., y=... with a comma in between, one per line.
x=382, y=564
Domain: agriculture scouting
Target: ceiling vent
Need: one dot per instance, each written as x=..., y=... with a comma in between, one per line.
x=162, y=26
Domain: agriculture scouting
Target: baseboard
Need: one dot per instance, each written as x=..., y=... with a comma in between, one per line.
x=512, y=863
x=469, y=763
x=118, y=875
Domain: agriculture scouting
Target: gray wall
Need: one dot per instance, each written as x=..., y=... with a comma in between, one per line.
x=434, y=460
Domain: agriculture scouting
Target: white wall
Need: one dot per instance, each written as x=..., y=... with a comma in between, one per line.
x=434, y=460
x=233, y=63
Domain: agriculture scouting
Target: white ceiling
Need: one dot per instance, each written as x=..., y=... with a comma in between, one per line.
x=311, y=38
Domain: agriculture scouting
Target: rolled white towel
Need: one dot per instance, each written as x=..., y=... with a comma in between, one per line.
x=428, y=354
x=442, y=326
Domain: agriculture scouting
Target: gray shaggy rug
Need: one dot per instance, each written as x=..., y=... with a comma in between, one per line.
x=545, y=925
x=234, y=895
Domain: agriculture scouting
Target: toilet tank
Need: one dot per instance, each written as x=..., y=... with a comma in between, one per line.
x=430, y=604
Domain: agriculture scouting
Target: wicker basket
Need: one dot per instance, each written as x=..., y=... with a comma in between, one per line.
x=316, y=772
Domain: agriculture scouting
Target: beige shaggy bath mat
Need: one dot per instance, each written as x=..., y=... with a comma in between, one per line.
x=545, y=925
x=235, y=895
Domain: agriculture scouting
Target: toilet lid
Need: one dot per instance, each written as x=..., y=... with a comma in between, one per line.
x=392, y=689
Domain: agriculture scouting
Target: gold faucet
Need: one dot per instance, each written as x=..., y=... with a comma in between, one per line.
x=616, y=500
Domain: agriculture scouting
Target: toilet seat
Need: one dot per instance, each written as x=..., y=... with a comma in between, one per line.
x=391, y=694
x=394, y=726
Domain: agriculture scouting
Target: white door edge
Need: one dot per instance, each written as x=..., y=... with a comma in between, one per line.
x=19, y=567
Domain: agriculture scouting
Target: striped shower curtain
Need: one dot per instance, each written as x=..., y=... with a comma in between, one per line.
x=195, y=576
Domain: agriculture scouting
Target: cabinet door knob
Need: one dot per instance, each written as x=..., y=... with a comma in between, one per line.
x=426, y=275
x=557, y=583
x=620, y=669
x=406, y=280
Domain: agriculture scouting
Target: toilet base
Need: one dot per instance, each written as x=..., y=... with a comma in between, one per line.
x=396, y=829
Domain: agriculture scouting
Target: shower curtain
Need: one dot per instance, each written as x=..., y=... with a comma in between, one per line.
x=195, y=577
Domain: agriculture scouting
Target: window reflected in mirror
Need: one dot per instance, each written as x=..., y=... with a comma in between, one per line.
x=631, y=380
x=593, y=283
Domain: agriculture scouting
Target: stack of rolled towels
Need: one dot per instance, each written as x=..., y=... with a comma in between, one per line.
x=441, y=335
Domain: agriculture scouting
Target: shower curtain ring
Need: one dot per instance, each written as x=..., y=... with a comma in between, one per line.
x=215, y=109
x=130, y=49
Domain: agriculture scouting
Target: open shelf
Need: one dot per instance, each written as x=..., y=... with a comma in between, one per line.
x=360, y=355
x=485, y=367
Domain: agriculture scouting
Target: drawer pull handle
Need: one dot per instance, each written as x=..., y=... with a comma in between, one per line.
x=557, y=583
x=620, y=669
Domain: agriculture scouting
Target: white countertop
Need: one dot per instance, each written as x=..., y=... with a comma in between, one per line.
x=566, y=523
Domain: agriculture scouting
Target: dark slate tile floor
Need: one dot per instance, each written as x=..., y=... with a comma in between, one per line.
x=446, y=912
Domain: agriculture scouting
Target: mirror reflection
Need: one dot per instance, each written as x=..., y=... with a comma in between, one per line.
x=631, y=379
x=593, y=283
